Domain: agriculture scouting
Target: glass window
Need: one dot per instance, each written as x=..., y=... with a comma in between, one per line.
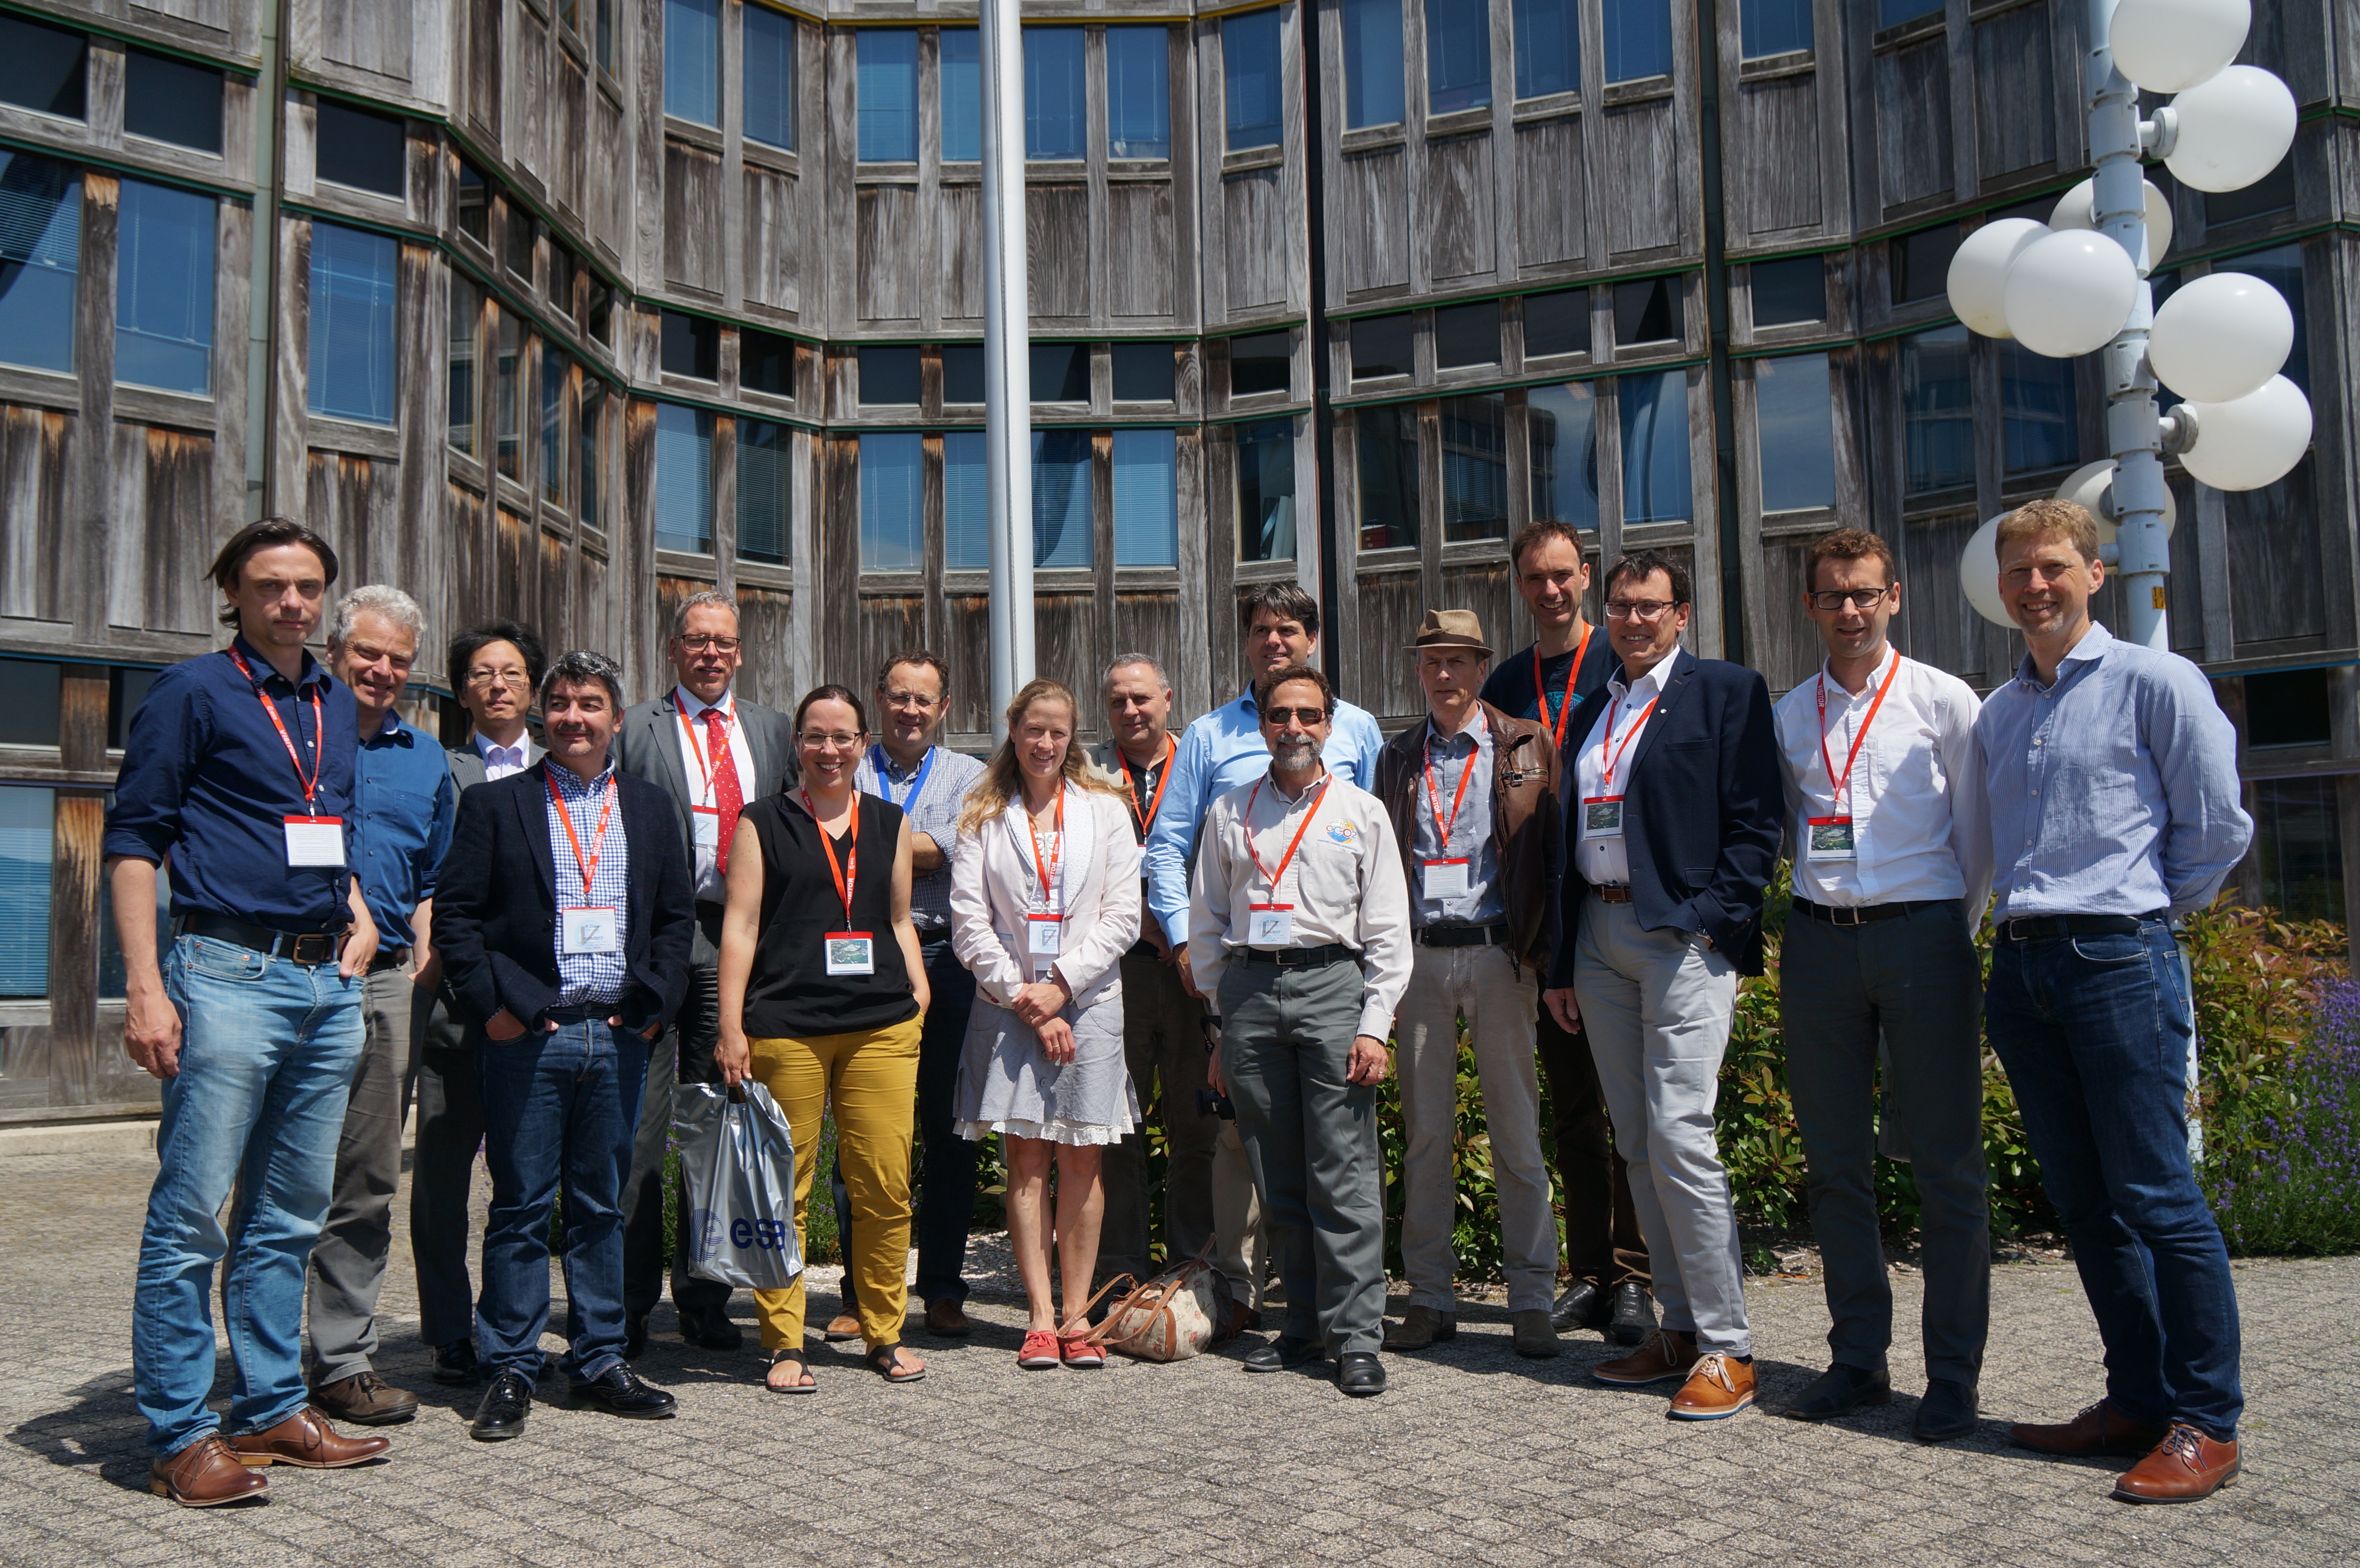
x=359, y=149
x=474, y=204
x=770, y=72
x=41, y=251
x=1056, y=95
x=1794, y=289
x=1795, y=417
x=30, y=716
x=1259, y=364
x=765, y=488
x=2273, y=193
x=1266, y=490
x=892, y=526
x=1386, y=437
x=2285, y=707
x=553, y=377
x=1938, y=411
x=168, y=100
x=1146, y=505
x=1061, y=373
x=589, y=443
x=961, y=92
x=2281, y=268
x=1920, y=263
x=1061, y=497
x=1548, y=47
x=1647, y=311
x=1138, y=91
x=562, y=269
x=43, y=67
x=466, y=330
x=885, y=91
x=1467, y=334
x=28, y=850
x=1561, y=434
x=692, y=60
x=570, y=13
x=888, y=376
x=1776, y=26
x=967, y=501
x=164, y=288
x=1143, y=373
x=2298, y=847
x=126, y=689
x=684, y=479
x=963, y=372
x=691, y=346
x=1457, y=54
x=1372, y=62
x=1249, y=78
x=1893, y=12
x=766, y=363
x=1475, y=467
x=520, y=247
x=352, y=323
x=1557, y=323
x=1654, y=447
x=1383, y=345
x=508, y=392
x=1638, y=39
x=2038, y=424
x=606, y=40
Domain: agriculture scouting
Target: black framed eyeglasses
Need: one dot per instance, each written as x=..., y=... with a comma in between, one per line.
x=1831, y=600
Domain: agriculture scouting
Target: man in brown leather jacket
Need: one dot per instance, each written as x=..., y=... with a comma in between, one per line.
x=1472, y=794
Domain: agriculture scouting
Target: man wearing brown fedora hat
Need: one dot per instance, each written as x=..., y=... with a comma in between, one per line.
x=1472, y=795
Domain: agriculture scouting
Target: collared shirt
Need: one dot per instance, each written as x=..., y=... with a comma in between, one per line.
x=696, y=764
x=585, y=978
x=1220, y=751
x=2113, y=791
x=206, y=784
x=932, y=810
x=1470, y=830
x=499, y=761
x=1914, y=797
x=407, y=802
x=1605, y=862
x=1139, y=797
x=1345, y=883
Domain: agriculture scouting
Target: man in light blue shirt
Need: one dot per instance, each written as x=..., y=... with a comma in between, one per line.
x=2112, y=777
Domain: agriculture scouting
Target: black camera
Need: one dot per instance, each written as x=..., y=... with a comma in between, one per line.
x=1212, y=1103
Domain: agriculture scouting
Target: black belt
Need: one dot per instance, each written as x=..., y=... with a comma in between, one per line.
x=580, y=1013
x=301, y=947
x=1300, y=957
x=2035, y=927
x=1143, y=948
x=389, y=958
x=1865, y=914
x=1460, y=936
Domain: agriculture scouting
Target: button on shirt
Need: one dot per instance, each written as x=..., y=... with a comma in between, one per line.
x=590, y=978
x=407, y=804
x=206, y=785
x=2113, y=791
x=1470, y=830
x=1915, y=796
x=1605, y=862
x=932, y=810
x=696, y=764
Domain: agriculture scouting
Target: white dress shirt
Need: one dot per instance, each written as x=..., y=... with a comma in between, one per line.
x=499, y=761
x=1604, y=860
x=1915, y=796
x=711, y=887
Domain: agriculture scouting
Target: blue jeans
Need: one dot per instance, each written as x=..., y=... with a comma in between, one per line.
x=2093, y=1031
x=556, y=1104
x=268, y=1051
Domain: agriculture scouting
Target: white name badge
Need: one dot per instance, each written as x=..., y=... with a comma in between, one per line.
x=1044, y=935
x=1601, y=816
x=315, y=841
x=1270, y=925
x=587, y=931
x=1829, y=838
x=851, y=953
x=705, y=822
x=1446, y=878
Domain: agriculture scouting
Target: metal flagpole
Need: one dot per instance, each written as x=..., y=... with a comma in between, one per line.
x=1007, y=356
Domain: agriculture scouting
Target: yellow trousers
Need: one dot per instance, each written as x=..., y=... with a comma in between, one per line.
x=871, y=1079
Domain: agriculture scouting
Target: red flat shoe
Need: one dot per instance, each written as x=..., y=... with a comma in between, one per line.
x=1039, y=1351
x=1079, y=1352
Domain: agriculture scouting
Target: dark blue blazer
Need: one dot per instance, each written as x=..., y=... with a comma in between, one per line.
x=496, y=905
x=1702, y=812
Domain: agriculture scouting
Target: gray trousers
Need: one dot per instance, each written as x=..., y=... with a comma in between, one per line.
x=1311, y=1141
x=449, y=1135
x=1916, y=979
x=348, y=1262
x=1658, y=1006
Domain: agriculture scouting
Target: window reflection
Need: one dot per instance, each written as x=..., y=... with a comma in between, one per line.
x=1654, y=447
x=1146, y=503
x=1794, y=415
x=684, y=479
x=1387, y=467
x=1562, y=435
x=1474, y=467
x=1938, y=413
x=1265, y=455
x=164, y=288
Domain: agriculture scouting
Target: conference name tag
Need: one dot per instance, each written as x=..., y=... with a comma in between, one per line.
x=1601, y=816
x=1270, y=925
x=1829, y=838
x=1446, y=878
x=315, y=841
x=590, y=930
x=1044, y=934
x=851, y=953
x=707, y=821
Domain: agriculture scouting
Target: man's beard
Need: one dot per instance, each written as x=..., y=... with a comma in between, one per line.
x=1294, y=755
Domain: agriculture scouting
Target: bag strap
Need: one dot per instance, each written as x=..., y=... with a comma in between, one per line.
x=1150, y=1298
x=1083, y=1315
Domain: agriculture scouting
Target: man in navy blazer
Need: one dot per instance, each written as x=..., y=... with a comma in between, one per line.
x=564, y=921
x=1673, y=818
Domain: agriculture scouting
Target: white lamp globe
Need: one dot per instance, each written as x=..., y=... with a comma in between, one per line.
x=2255, y=440
x=1979, y=574
x=1979, y=272
x=2091, y=488
x=2233, y=129
x=2169, y=46
x=2220, y=337
x=2073, y=212
x=2069, y=292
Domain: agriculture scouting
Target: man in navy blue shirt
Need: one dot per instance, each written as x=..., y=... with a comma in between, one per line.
x=239, y=771
x=405, y=801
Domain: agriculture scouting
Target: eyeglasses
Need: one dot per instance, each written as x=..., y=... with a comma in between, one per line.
x=819, y=742
x=706, y=642
x=910, y=700
x=1279, y=716
x=1636, y=609
x=1835, y=599
x=514, y=680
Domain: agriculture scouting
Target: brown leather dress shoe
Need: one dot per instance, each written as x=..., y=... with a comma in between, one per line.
x=1665, y=1354
x=946, y=1319
x=306, y=1441
x=841, y=1327
x=1719, y=1386
x=2185, y=1468
x=2099, y=1430
x=205, y=1475
x=365, y=1399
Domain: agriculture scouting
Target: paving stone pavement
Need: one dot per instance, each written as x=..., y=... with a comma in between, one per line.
x=1474, y=1456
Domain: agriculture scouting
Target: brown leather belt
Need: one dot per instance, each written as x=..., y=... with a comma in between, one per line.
x=1612, y=895
x=301, y=947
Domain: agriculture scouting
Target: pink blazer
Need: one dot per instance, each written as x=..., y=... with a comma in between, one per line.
x=992, y=879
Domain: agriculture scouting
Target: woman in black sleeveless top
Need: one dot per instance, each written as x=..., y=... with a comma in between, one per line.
x=822, y=998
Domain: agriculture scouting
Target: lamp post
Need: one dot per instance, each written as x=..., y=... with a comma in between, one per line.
x=1007, y=356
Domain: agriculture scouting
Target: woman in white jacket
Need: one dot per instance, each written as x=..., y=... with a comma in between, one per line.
x=1045, y=899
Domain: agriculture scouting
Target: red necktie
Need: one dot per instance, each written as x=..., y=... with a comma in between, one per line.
x=727, y=795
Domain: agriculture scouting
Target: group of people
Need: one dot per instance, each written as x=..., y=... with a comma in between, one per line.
x=1249, y=924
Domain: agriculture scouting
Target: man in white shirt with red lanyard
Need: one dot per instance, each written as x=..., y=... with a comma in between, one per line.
x=1892, y=868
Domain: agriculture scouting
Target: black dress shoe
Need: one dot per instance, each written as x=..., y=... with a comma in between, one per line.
x=1633, y=1316
x=1285, y=1351
x=505, y=1404
x=1583, y=1305
x=1359, y=1374
x=456, y=1363
x=635, y=1338
x=619, y=1392
x=707, y=1328
x=1947, y=1410
x=1839, y=1390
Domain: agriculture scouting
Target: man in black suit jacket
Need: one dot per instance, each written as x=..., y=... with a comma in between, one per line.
x=714, y=753
x=1673, y=817
x=566, y=937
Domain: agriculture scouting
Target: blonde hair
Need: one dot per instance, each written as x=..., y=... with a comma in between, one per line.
x=1004, y=776
x=2068, y=520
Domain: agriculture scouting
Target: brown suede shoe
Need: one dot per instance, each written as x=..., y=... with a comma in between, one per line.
x=1719, y=1386
x=2186, y=1466
x=841, y=1327
x=306, y=1441
x=1665, y=1354
x=2096, y=1431
x=365, y=1399
x=946, y=1319
x=205, y=1475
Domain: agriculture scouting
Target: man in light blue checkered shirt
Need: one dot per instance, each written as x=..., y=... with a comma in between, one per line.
x=590, y=978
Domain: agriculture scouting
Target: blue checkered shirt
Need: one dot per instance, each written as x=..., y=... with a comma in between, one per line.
x=585, y=979
x=934, y=811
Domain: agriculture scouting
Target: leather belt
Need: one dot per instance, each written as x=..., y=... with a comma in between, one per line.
x=2035, y=927
x=1460, y=936
x=1863, y=914
x=1612, y=895
x=299, y=947
x=389, y=958
x=1300, y=957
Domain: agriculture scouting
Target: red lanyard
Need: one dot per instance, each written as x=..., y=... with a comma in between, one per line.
x=1843, y=781
x=1288, y=858
x=1147, y=815
x=319, y=732
x=720, y=754
x=1434, y=795
x=1614, y=754
x=598, y=843
x=1572, y=674
x=1043, y=869
x=847, y=873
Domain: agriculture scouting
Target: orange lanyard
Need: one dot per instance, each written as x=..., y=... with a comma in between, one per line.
x=1434, y=795
x=705, y=770
x=1843, y=781
x=598, y=840
x=1288, y=858
x=1614, y=754
x=1043, y=869
x=847, y=873
x=1147, y=816
x=1572, y=674
x=319, y=731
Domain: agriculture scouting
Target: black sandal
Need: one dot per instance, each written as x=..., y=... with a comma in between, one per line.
x=886, y=1359
x=803, y=1370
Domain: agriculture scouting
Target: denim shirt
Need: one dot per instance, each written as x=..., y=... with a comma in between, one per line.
x=407, y=806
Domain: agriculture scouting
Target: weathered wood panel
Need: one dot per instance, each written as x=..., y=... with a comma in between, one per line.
x=959, y=228
x=366, y=36
x=164, y=491
x=693, y=232
x=468, y=557
x=1140, y=259
x=1065, y=643
x=2276, y=610
x=1371, y=211
x=484, y=66
x=531, y=99
x=2015, y=96
x=1551, y=212
x=1146, y=622
x=1392, y=603
x=774, y=249
x=1486, y=588
x=1459, y=182
x=1057, y=237
x=515, y=585
x=765, y=619
x=556, y=573
x=1255, y=239
x=204, y=13
x=36, y=450
x=1913, y=122
x=1776, y=154
x=888, y=224
x=608, y=174
x=1643, y=170
x=1939, y=627
x=569, y=153
x=967, y=648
